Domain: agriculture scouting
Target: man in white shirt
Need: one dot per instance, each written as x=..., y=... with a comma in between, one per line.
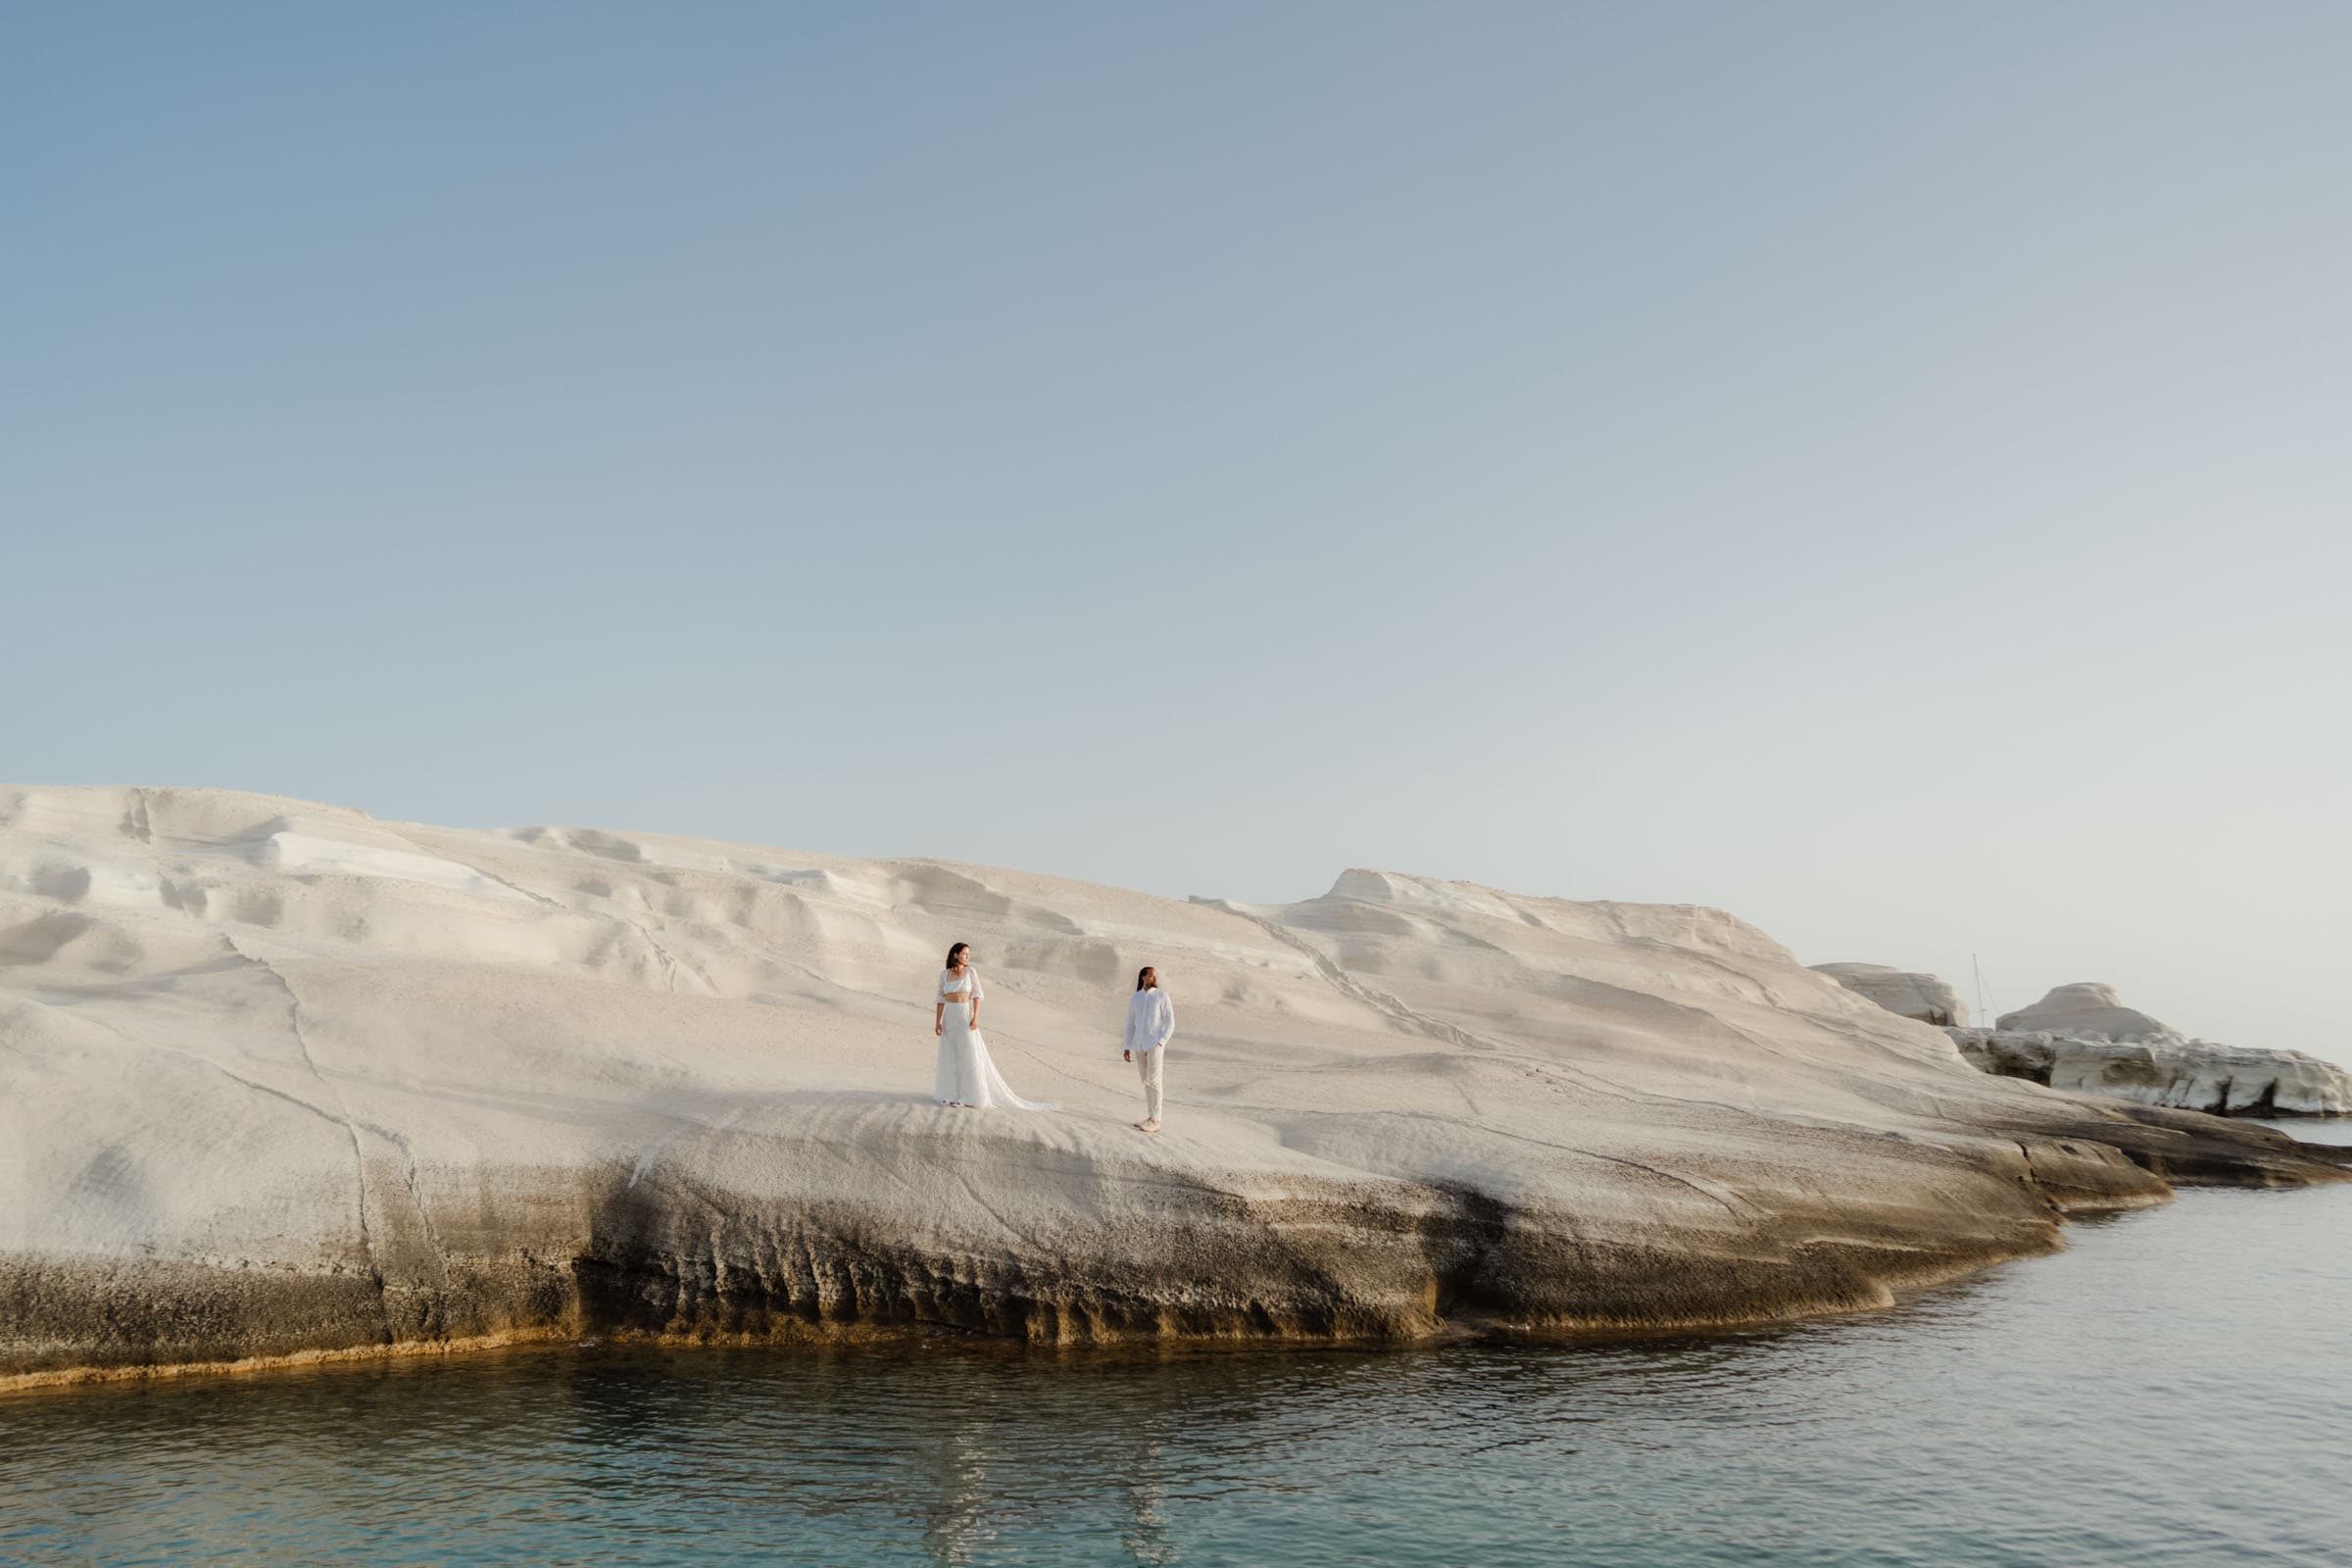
x=1151, y=1020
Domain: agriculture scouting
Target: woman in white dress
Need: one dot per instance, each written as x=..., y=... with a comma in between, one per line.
x=966, y=1077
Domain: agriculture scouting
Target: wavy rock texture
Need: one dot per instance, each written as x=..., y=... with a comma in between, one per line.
x=277, y=1079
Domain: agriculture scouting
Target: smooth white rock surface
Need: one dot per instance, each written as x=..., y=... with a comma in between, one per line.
x=2082, y=1009
x=1907, y=995
x=276, y=1078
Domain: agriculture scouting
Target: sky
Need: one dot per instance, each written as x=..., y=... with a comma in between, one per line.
x=1883, y=470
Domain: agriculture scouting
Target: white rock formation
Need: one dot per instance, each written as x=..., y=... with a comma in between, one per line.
x=1906, y=995
x=278, y=1079
x=2081, y=1038
x=2167, y=1070
x=2082, y=1009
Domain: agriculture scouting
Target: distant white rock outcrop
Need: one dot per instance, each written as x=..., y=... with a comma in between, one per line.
x=2167, y=1070
x=1901, y=992
x=279, y=1080
x=2081, y=1038
x=2083, y=1010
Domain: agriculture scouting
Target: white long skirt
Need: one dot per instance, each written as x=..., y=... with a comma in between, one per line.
x=967, y=1075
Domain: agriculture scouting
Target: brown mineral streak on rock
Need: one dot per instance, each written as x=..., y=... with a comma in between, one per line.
x=282, y=1085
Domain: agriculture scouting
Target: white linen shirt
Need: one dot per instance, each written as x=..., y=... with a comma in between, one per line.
x=1151, y=1020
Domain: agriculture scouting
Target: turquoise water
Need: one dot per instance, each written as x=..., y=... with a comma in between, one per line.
x=2175, y=1390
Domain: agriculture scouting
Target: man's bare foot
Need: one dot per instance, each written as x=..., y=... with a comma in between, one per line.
x=1150, y=1126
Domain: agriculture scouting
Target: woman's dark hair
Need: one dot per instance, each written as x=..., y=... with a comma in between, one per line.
x=1145, y=974
x=952, y=952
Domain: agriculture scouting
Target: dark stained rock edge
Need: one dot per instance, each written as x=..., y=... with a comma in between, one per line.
x=1355, y=1265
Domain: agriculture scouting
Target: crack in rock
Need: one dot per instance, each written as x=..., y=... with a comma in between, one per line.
x=351, y=1126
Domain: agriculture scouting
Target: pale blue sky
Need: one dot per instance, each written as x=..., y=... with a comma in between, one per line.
x=1882, y=469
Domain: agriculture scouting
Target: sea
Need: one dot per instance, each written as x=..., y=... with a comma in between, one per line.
x=2176, y=1389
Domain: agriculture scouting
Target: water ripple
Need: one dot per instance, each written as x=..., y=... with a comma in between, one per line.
x=2171, y=1394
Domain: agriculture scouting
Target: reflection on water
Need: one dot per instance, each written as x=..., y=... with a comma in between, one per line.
x=2172, y=1391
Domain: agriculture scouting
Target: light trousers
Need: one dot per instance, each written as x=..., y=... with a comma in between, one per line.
x=1147, y=1064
